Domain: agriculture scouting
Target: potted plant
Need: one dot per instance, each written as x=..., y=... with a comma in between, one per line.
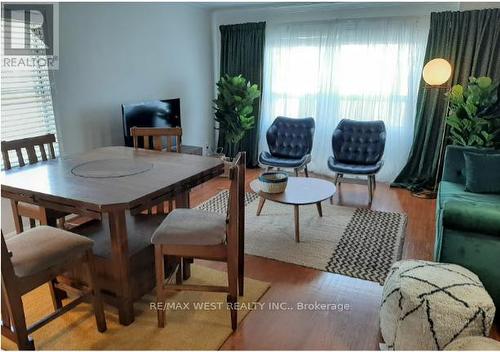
x=474, y=114
x=234, y=111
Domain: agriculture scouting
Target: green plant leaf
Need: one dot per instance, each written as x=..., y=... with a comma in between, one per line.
x=233, y=108
x=484, y=82
x=475, y=140
x=457, y=138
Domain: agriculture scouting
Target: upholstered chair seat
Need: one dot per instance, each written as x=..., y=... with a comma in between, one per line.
x=358, y=147
x=44, y=247
x=38, y=256
x=191, y=227
x=290, y=143
x=355, y=169
x=267, y=158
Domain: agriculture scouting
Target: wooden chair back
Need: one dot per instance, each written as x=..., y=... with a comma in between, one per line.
x=173, y=136
x=7, y=268
x=9, y=287
x=29, y=145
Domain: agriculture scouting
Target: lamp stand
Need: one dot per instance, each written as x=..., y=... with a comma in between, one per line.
x=432, y=193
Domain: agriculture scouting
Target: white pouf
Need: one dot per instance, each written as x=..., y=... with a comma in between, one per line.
x=474, y=343
x=427, y=305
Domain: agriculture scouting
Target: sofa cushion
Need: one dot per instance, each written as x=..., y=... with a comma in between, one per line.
x=449, y=191
x=454, y=162
x=469, y=216
x=482, y=172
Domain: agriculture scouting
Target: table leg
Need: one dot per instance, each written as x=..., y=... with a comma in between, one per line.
x=179, y=274
x=182, y=201
x=261, y=204
x=320, y=211
x=119, y=250
x=296, y=217
x=186, y=268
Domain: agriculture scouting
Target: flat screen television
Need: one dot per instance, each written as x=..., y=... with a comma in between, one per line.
x=156, y=113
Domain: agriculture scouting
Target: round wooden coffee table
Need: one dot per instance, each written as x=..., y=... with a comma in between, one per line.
x=299, y=191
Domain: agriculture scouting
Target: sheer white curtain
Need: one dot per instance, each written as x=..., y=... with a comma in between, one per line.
x=363, y=69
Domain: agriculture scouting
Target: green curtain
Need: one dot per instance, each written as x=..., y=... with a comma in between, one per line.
x=242, y=52
x=470, y=41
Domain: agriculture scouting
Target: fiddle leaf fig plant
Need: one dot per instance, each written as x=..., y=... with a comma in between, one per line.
x=474, y=114
x=234, y=109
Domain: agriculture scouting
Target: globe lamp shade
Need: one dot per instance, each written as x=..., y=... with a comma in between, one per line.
x=437, y=72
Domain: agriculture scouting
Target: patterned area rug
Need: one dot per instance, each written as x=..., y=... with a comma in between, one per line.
x=356, y=242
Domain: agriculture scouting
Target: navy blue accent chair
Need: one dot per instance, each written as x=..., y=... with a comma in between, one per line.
x=290, y=143
x=358, y=147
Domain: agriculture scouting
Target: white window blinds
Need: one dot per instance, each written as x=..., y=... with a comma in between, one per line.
x=26, y=102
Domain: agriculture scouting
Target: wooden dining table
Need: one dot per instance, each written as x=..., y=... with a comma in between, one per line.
x=114, y=186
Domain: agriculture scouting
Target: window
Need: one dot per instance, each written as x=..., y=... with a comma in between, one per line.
x=366, y=69
x=26, y=101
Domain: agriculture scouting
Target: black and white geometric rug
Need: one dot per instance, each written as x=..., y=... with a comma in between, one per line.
x=356, y=242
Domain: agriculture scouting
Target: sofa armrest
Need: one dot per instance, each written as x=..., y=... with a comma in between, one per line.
x=480, y=218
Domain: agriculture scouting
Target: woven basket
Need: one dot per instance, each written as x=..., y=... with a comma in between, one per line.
x=273, y=182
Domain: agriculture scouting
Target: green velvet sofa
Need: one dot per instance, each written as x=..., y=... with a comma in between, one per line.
x=468, y=224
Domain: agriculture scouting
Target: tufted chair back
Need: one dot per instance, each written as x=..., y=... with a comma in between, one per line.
x=290, y=138
x=359, y=142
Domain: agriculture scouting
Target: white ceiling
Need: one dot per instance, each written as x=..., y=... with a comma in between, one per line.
x=238, y=5
x=216, y=5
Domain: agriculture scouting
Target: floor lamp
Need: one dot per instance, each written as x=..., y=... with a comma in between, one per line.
x=436, y=74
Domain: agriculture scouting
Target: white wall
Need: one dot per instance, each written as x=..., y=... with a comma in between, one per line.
x=114, y=53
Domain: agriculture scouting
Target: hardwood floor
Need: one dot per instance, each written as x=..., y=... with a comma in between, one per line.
x=354, y=329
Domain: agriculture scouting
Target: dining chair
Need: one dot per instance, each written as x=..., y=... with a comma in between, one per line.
x=152, y=138
x=358, y=147
x=173, y=136
x=290, y=143
x=23, y=209
x=33, y=258
x=205, y=235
